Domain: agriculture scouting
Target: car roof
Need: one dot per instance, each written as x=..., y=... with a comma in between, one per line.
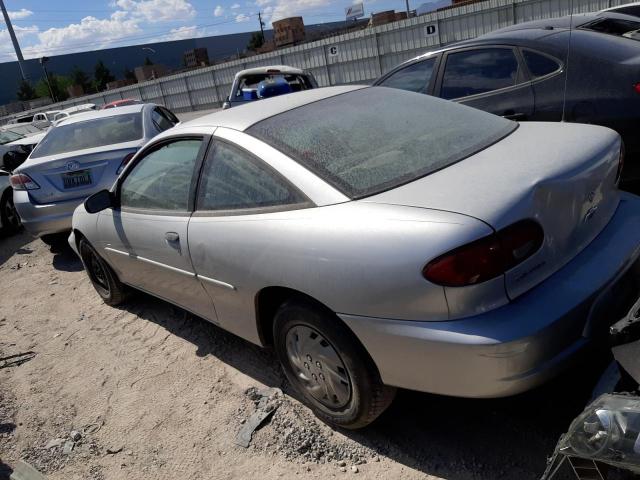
x=286, y=69
x=243, y=116
x=93, y=114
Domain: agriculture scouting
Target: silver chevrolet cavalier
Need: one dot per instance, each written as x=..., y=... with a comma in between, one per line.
x=377, y=238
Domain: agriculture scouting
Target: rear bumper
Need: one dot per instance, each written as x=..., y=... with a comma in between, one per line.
x=44, y=219
x=521, y=345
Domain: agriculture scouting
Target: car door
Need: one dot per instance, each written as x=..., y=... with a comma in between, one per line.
x=490, y=78
x=240, y=200
x=416, y=77
x=548, y=82
x=145, y=238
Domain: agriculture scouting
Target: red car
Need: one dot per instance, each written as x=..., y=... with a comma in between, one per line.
x=120, y=103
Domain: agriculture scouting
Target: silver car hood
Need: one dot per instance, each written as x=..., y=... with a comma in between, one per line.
x=562, y=175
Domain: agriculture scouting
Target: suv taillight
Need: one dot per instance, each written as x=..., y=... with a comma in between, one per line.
x=486, y=258
x=124, y=163
x=22, y=181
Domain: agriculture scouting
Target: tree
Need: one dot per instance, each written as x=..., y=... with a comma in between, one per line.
x=102, y=76
x=147, y=61
x=78, y=77
x=26, y=91
x=58, y=84
x=129, y=74
x=256, y=41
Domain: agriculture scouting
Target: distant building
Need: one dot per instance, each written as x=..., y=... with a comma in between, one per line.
x=388, y=16
x=288, y=31
x=150, y=72
x=120, y=83
x=196, y=57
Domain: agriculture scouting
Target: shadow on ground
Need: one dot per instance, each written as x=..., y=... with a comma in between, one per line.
x=11, y=245
x=65, y=259
x=456, y=439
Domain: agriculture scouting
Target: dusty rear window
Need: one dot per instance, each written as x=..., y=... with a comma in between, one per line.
x=374, y=139
x=94, y=133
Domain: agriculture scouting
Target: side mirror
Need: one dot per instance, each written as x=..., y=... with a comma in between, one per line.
x=99, y=201
x=226, y=105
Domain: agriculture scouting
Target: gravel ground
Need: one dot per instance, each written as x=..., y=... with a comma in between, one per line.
x=155, y=393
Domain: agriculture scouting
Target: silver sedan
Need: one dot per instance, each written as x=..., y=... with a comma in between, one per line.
x=377, y=238
x=77, y=157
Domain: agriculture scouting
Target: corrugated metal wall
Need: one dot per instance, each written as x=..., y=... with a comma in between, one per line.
x=358, y=57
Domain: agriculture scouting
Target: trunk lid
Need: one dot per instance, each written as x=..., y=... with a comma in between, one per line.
x=76, y=174
x=561, y=175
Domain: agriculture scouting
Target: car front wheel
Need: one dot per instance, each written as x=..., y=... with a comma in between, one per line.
x=327, y=366
x=103, y=278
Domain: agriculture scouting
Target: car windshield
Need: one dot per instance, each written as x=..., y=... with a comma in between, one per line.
x=7, y=136
x=90, y=134
x=374, y=139
x=249, y=84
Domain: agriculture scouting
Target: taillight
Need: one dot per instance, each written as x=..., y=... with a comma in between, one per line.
x=486, y=258
x=124, y=163
x=22, y=181
x=620, y=164
x=636, y=87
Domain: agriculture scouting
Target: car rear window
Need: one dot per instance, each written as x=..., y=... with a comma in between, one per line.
x=93, y=133
x=615, y=26
x=374, y=139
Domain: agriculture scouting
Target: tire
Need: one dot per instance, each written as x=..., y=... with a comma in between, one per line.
x=57, y=241
x=354, y=395
x=103, y=278
x=9, y=218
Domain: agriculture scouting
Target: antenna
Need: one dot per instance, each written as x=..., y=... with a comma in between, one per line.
x=566, y=72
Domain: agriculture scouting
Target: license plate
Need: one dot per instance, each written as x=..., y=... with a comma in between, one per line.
x=76, y=179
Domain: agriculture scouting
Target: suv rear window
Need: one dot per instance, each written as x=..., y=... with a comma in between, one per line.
x=90, y=134
x=377, y=138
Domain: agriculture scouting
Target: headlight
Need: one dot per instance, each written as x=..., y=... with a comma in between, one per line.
x=607, y=431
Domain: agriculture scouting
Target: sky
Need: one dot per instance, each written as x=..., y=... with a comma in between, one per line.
x=83, y=25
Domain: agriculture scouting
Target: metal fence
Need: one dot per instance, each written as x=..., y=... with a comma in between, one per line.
x=357, y=57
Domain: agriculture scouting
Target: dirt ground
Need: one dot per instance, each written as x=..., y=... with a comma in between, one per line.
x=156, y=393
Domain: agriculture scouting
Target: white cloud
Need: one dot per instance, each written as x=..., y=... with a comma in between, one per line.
x=219, y=11
x=157, y=10
x=20, y=14
x=262, y=3
x=235, y=6
x=242, y=18
x=90, y=34
x=182, y=33
x=293, y=8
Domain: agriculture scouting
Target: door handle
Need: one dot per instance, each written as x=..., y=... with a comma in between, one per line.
x=172, y=237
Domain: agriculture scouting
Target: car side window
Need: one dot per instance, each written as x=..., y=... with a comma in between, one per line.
x=234, y=180
x=160, y=120
x=169, y=115
x=472, y=72
x=414, y=78
x=539, y=65
x=161, y=180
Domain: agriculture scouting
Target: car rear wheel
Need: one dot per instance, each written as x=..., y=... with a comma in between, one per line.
x=103, y=278
x=327, y=366
x=9, y=218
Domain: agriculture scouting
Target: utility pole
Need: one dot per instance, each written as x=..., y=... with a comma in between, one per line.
x=12, y=34
x=43, y=61
x=261, y=25
x=407, y=2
